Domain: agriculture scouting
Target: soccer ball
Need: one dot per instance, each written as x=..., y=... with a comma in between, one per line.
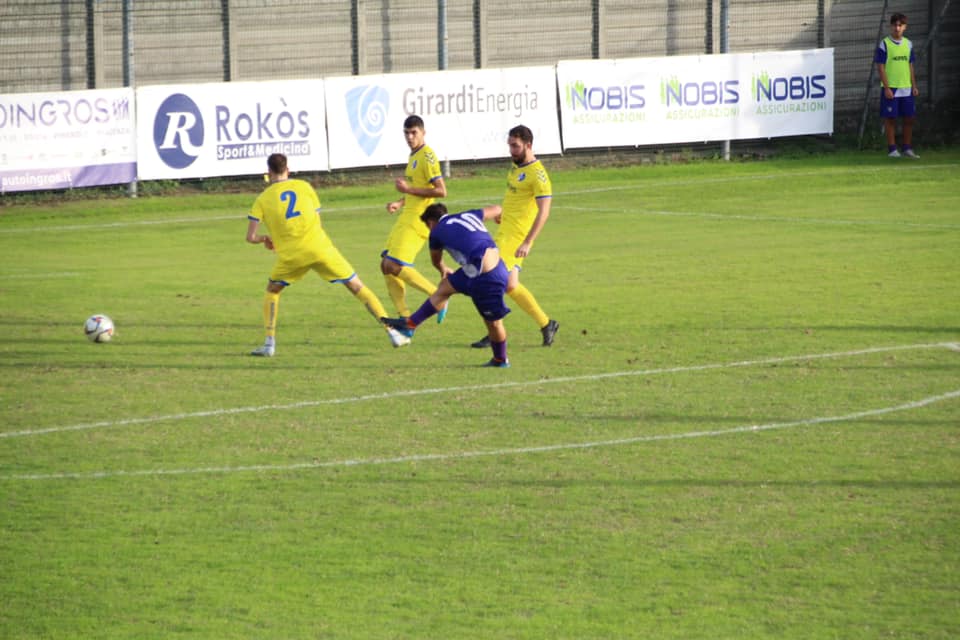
x=99, y=328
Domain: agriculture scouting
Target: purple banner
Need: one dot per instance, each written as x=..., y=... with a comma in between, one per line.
x=67, y=177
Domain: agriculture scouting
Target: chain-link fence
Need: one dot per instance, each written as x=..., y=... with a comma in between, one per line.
x=80, y=44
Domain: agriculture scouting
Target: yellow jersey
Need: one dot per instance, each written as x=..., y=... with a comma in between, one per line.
x=422, y=169
x=290, y=209
x=525, y=185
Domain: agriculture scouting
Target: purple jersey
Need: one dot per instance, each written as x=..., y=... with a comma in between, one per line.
x=465, y=237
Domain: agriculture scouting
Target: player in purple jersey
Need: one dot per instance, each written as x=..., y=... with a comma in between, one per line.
x=482, y=274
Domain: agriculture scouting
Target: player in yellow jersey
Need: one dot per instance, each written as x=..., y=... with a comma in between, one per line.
x=421, y=185
x=290, y=211
x=526, y=207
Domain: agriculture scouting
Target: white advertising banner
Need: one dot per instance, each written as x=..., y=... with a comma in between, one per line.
x=66, y=139
x=230, y=128
x=466, y=114
x=645, y=101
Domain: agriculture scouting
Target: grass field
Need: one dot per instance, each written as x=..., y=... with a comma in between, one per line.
x=748, y=427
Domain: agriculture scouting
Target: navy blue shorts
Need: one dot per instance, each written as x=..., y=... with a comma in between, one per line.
x=898, y=107
x=486, y=290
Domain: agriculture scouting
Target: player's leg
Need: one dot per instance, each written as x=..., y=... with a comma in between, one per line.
x=526, y=301
x=396, y=288
x=889, y=112
x=335, y=268
x=432, y=305
x=487, y=294
x=404, y=244
x=908, y=113
x=271, y=307
x=498, y=344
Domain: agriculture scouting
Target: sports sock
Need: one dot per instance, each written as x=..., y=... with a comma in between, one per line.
x=499, y=350
x=425, y=311
x=416, y=279
x=398, y=293
x=370, y=300
x=522, y=296
x=271, y=304
x=891, y=148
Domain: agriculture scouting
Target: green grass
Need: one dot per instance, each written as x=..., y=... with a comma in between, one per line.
x=167, y=485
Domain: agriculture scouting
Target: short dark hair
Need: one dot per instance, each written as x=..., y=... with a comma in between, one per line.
x=898, y=17
x=277, y=163
x=521, y=132
x=413, y=122
x=434, y=212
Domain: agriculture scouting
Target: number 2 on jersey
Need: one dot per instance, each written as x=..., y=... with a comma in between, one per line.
x=291, y=199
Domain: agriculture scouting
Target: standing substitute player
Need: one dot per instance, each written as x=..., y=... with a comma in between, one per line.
x=421, y=184
x=526, y=207
x=894, y=58
x=290, y=210
x=482, y=274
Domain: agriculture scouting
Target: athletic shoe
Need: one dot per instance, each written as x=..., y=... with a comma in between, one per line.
x=894, y=154
x=550, y=332
x=482, y=343
x=442, y=314
x=397, y=339
x=498, y=364
x=910, y=154
x=266, y=351
x=399, y=325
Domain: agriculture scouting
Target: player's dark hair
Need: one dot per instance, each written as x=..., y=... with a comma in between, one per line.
x=521, y=132
x=277, y=163
x=434, y=212
x=898, y=17
x=413, y=122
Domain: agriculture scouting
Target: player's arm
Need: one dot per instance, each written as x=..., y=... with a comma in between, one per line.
x=882, y=72
x=543, y=212
x=913, y=82
x=395, y=205
x=437, y=188
x=492, y=211
x=255, y=238
x=880, y=57
x=436, y=257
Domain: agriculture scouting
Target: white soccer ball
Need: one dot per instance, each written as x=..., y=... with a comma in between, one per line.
x=99, y=328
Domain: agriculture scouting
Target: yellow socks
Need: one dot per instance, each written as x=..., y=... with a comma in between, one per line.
x=371, y=302
x=398, y=293
x=271, y=303
x=416, y=279
x=522, y=296
x=397, y=288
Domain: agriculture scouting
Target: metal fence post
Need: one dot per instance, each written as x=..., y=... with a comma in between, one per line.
x=724, y=48
x=442, y=53
x=128, y=80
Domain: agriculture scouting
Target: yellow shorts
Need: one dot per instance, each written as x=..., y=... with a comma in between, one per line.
x=405, y=241
x=326, y=260
x=508, y=249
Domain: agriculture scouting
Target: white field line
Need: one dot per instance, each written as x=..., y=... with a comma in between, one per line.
x=751, y=218
x=389, y=395
x=645, y=186
x=39, y=276
x=463, y=455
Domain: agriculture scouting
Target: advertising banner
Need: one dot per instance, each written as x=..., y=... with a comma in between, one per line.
x=678, y=99
x=466, y=114
x=66, y=139
x=228, y=129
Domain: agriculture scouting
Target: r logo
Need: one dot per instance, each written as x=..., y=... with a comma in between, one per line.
x=178, y=131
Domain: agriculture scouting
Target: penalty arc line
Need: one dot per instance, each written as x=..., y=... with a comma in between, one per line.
x=390, y=395
x=465, y=455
